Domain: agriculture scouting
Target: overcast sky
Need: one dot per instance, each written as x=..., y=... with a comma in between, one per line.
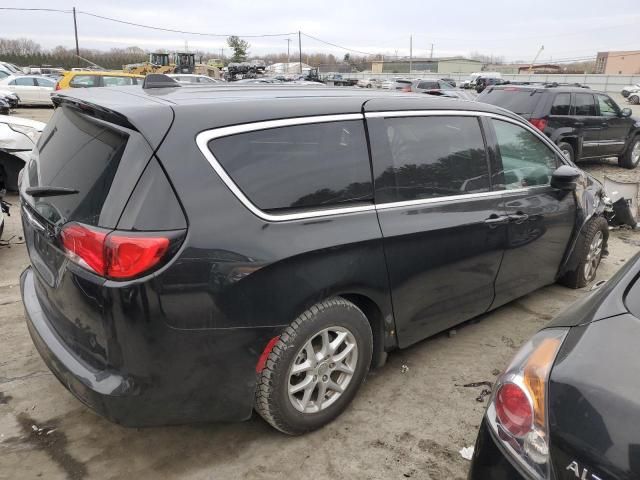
x=515, y=30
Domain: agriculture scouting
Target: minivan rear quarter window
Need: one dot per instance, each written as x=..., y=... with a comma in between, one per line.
x=299, y=167
x=433, y=157
x=77, y=152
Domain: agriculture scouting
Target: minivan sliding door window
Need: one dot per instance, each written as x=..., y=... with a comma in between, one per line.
x=430, y=157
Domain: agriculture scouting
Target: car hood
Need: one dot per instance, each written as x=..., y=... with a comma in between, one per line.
x=25, y=122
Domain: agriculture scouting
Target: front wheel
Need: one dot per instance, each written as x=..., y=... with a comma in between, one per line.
x=316, y=367
x=631, y=156
x=589, y=251
x=634, y=99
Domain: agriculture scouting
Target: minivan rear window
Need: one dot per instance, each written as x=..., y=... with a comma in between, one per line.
x=75, y=151
x=517, y=100
x=297, y=167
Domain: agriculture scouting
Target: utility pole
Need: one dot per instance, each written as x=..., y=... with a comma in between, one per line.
x=75, y=29
x=410, y=53
x=300, y=48
x=288, y=56
x=222, y=53
x=432, y=51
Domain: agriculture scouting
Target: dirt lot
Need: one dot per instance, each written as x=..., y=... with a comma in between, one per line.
x=401, y=425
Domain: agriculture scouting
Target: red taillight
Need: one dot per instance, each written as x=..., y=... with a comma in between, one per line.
x=58, y=86
x=407, y=88
x=539, y=123
x=514, y=410
x=112, y=254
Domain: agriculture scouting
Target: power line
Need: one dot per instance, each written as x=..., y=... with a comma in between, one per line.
x=337, y=46
x=36, y=9
x=182, y=31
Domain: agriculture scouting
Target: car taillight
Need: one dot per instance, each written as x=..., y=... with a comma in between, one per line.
x=407, y=88
x=57, y=87
x=113, y=254
x=539, y=123
x=517, y=411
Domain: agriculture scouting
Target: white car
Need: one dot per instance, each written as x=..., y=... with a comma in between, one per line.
x=32, y=89
x=629, y=89
x=368, y=83
x=190, y=79
x=634, y=97
x=18, y=136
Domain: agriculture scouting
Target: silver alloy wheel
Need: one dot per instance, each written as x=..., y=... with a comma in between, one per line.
x=593, y=256
x=322, y=370
x=635, y=153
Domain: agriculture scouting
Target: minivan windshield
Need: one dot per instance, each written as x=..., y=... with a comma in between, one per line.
x=77, y=152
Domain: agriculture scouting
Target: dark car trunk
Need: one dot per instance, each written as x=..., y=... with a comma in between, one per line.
x=102, y=162
x=522, y=101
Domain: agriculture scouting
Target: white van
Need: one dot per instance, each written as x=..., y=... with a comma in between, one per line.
x=474, y=76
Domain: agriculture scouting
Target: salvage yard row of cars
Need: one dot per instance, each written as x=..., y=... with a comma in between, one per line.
x=411, y=214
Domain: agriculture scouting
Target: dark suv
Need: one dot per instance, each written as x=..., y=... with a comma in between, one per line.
x=198, y=252
x=585, y=124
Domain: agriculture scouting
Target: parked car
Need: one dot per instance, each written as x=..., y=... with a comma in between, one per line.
x=400, y=84
x=11, y=68
x=560, y=410
x=368, y=83
x=450, y=81
x=484, y=82
x=190, y=79
x=11, y=98
x=18, y=136
x=634, y=98
x=95, y=78
x=31, y=89
x=584, y=124
x=223, y=257
x=338, y=80
x=5, y=108
x=626, y=91
x=438, y=88
x=471, y=81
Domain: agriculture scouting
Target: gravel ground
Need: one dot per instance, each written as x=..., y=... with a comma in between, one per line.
x=401, y=425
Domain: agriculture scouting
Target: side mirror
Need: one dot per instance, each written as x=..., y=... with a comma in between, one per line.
x=626, y=112
x=565, y=178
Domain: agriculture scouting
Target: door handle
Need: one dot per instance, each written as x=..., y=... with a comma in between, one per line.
x=518, y=218
x=494, y=221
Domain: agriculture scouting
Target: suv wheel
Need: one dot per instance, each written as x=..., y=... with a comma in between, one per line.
x=631, y=157
x=634, y=99
x=316, y=367
x=590, y=248
x=567, y=150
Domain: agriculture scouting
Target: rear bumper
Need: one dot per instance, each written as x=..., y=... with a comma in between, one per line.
x=201, y=376
x=490, y=461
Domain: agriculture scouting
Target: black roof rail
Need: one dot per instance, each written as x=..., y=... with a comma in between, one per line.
x=159, y=80
x=557, y=84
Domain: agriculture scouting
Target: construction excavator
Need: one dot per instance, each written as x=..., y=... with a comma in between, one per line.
x=161, y=63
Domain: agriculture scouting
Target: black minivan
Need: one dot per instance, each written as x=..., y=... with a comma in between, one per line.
x=200, y=252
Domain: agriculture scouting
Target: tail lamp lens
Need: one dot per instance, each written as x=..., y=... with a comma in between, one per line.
x=113, y=254
x=514, y=410
x=517, y=412
x=539, y=123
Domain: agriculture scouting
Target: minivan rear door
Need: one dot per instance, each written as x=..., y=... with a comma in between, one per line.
x=101, y=162
x=443, y=231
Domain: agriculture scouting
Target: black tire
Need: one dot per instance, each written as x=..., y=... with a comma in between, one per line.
x=578, y=277
x=566, y=147
x=272, y=400
x=634, y=99
x=627, y=160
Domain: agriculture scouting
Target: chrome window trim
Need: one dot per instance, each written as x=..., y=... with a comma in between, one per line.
x=203, y=139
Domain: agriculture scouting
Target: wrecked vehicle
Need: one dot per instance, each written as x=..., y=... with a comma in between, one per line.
x=18, y=136
x=224, y=258
x=10, y=98
x=567, y=406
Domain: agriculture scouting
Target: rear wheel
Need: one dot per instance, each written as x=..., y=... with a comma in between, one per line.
x=589, y=250
x=567, y=150
x=316, y=367
x=634, y=99
x=631, y=157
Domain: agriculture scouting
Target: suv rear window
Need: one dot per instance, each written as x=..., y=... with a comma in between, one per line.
x=517, y=100
x=301, y=166
x=429, y=85
x=78, y=152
